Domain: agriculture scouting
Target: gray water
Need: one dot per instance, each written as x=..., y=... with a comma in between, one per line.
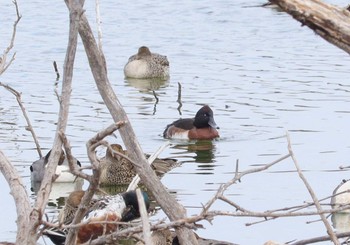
x=260, y=71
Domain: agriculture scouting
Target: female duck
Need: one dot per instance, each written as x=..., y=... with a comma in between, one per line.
x=117, y=170
x=122, y=207
x=145, y=65
x=202, y=126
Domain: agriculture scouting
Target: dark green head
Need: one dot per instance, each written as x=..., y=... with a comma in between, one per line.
x=132, y=210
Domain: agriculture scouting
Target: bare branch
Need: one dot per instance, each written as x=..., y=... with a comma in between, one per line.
x=144, y=218
x=3, y=64
x=98, y=67
x=43, y=194
x=312, y=194
x=135, y=181
x=29, y=125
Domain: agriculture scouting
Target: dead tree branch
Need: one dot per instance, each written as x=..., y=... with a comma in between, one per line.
x=29, y=125
x=328, y=21
x=43, y=194
x=3, y=64
x=98, y=67
x=313, y=195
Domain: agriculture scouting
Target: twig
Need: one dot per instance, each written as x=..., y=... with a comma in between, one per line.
x=72, y=167
x=56, y=70
x=144, y=218
x=179, y=98
x=3, y=65
x=236, y=178
x=312, y=194
x=98, y=22
x=29, y=125
x=135, y=181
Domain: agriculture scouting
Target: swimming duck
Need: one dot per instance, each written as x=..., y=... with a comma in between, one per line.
x=122, y=207
x=120, y=171
x=63, y=174
x=344, y=198
x=145, y=64
x=202, y=126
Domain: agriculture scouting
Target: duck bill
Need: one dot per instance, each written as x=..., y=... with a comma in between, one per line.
x=212, y=123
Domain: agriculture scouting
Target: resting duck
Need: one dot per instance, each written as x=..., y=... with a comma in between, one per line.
x=344, y=198
x=63, y=174
x=145, y=65
x=120, y=171
x=202, y=126
x=122, y=207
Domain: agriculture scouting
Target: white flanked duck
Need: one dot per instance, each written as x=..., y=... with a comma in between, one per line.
x=65, y=182
x=122, y=207
x=145, y=64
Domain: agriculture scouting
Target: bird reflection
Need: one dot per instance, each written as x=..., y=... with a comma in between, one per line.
x=204, y=154
x=146, y=85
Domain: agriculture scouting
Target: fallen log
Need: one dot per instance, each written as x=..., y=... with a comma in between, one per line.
x=329, y=21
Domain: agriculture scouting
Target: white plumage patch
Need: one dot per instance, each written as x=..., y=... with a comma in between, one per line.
x=136, y=69
x=107, y=205
x=180, y=135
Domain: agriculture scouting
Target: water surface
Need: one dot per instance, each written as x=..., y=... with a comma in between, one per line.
x=260, y=71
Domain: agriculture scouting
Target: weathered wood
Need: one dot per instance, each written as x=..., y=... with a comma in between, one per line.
x=329, y=21
x=98, y=67
x=43, y=194
x=20, y=196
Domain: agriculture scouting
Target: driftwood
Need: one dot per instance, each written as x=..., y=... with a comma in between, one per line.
x=329, y=21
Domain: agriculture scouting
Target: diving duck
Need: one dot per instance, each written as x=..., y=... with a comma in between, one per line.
x=117, y=170
x=145, y=64
x=122, y=207
x=202, y=126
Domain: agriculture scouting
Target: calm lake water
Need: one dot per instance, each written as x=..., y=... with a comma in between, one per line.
x=260, y=71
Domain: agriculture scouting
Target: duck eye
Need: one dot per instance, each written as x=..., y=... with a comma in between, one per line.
x=31, y=168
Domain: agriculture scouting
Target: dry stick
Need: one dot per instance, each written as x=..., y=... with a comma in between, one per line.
x=319, y=239
x=236, y=178
x=135, y=181
x=144, y=218
x=3, y=65
x=72, y=166
x=29, y=125
x=43, y=194
x=98, y=22
x=91, y=146
x=56, y=70
x=312, y=194
x=179, y=98
x=20, y=196
x=98, y=67
x=300, y=207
